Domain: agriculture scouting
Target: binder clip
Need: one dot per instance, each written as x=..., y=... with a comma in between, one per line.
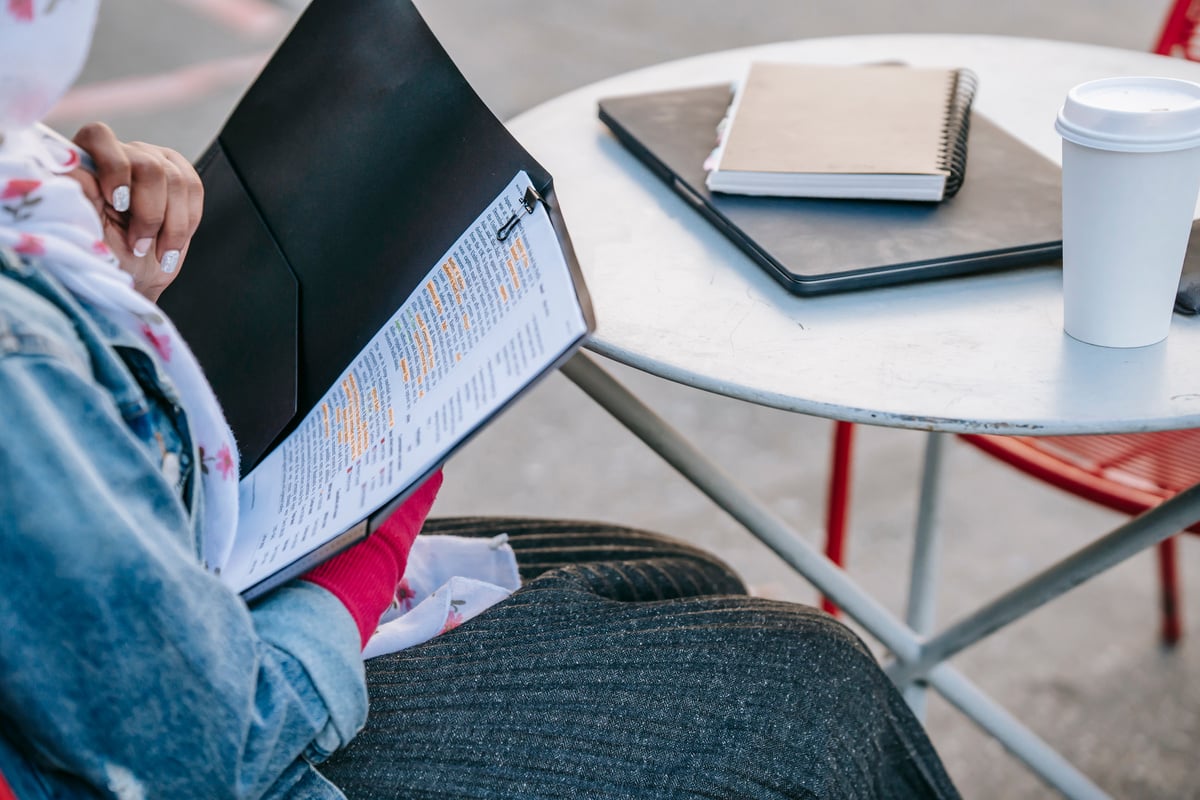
x=529, y=203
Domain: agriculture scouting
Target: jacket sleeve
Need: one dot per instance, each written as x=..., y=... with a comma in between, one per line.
x=123, y=662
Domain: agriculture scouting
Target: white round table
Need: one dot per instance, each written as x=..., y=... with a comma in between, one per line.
x=977, y=354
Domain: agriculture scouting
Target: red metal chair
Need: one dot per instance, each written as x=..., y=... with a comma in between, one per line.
x=1125, y=472
x=1178, y=35
x=1128, y=473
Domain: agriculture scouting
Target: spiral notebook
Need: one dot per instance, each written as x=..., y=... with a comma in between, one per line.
x=1007, y=212
x=884, y=132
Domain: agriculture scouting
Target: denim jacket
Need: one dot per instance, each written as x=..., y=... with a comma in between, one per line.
x=126, y=670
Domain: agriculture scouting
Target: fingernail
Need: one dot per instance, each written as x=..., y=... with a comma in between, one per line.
x=170, y=260
x=121, y=198
x=142, y=246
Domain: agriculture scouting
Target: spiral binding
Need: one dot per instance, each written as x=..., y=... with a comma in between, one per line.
x=952, y=151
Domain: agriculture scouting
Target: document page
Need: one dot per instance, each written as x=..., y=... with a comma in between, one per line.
x=488, y=318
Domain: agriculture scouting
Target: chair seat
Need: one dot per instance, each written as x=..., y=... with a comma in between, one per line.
x=1125, y=472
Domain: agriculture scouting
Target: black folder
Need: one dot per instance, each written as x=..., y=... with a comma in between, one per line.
x=357, y=158
x=1007, y=213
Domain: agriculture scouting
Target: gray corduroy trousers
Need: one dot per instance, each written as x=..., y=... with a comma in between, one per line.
x=630, y=665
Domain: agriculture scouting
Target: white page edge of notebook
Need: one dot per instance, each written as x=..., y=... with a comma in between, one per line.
x=846, y=186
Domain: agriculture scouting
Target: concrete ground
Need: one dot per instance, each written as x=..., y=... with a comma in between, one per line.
x=1086, y=673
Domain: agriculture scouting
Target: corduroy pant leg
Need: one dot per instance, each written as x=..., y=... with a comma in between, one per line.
x=631, y=666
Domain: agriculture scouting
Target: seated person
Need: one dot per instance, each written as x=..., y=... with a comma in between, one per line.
x=627, y=666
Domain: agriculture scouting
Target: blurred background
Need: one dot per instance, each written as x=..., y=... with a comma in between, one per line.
x=1087, y=673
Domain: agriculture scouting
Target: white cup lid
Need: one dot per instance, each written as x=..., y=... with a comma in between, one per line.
x=1132, y=114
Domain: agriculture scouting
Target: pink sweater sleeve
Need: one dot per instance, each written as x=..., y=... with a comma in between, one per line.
x=364, y=577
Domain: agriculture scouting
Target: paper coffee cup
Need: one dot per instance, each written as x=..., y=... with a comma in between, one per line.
x=1130, y=179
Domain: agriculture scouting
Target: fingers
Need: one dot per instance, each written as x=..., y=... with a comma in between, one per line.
x=157, y=220
x=148, y=204
x=186, y=206
x=112, y=163
x=150, y=200
x=155, y=187
x=165, y=205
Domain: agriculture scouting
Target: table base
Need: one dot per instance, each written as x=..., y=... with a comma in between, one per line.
x=915, y=660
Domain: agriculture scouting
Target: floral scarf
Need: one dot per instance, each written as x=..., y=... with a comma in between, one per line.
x=45, y=214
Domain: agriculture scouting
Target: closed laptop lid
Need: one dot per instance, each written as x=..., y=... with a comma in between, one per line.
x=1007, y=213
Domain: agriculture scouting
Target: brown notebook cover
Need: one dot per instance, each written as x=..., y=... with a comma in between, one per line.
x=862, y=131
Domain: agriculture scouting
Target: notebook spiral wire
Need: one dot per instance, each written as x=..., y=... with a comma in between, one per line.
x=952, y=152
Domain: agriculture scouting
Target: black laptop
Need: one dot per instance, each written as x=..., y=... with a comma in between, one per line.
x=1008, y=212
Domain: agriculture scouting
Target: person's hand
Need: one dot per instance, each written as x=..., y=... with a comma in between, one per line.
x=149, y=199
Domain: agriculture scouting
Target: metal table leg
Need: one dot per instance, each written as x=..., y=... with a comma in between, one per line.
x=922, y=585
x=742, y=506
x=826, y=576
x=1142, y=532
x=1042, y=760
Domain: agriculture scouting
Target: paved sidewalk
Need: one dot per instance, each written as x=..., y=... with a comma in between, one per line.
x=1086, y=673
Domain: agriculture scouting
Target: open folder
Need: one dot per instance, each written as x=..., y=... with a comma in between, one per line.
x=381, y=268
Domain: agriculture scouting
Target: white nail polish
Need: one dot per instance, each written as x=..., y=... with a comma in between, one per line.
x=120, y=198
x=170, y=260
x=142, y=246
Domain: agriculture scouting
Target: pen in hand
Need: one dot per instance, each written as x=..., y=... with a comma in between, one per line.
x=85, y=160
